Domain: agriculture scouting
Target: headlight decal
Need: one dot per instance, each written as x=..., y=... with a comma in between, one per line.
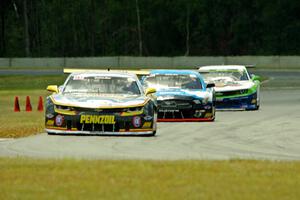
x=65, y=110
x=136, y=121
x=148, y=118
x=59, y=120
x=147, y=125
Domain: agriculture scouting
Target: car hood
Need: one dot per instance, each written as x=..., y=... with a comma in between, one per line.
x=99, y=101
x=237, y=85
x=180, y=93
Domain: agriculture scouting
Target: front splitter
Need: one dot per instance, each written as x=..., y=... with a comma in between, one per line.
x=69, y=132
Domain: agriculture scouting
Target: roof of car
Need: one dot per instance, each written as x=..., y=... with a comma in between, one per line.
x=211, y=67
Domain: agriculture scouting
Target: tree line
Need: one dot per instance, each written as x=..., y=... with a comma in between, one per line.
x=57, y=28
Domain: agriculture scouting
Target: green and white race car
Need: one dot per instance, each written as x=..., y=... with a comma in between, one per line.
x=235, y=88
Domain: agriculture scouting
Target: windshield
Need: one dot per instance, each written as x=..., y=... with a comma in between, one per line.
x=173, y=81
x=101, y=85
x=225, y=75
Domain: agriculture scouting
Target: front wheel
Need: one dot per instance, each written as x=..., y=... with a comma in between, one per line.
x=153, y=134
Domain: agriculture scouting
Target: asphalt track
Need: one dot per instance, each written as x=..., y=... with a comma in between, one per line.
x=272, y=133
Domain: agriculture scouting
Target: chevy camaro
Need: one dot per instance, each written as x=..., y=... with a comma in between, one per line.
x=101, y=104
x=235, y=87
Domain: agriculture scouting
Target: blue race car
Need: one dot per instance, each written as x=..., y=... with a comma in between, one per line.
x=182, y=95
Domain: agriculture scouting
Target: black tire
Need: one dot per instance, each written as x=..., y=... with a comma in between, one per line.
x=153, y=134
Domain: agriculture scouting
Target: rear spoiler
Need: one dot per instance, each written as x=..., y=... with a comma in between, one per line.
x=142, y=72
x=247, y=66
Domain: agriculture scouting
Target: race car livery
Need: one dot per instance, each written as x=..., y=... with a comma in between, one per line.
x=235, y=88
x=103, y=103
x=182, y=95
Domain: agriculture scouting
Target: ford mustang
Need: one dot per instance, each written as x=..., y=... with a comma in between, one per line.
x=182, y=95
x=105, y=103
x=235, y=87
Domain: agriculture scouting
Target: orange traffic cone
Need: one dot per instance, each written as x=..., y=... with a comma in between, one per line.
x=17, y=106
x=28, y=105
x=40, y=105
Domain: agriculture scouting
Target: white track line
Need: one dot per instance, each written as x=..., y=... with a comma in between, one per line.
x=5, y=139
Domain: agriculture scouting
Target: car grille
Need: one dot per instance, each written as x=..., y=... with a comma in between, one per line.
x=98, y=127
x=176, y=109
x=181, y=114
x=175, y=104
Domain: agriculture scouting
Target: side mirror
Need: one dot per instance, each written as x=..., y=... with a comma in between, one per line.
x=150, y=91
x=52, y=88
x=210, y=85
x=255, y=77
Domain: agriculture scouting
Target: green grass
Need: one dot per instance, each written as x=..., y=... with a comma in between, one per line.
x=86, y=179
x=27, y=82
x=20, y=124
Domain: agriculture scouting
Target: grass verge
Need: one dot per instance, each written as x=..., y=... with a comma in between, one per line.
x=86, y=179
x=20, y=124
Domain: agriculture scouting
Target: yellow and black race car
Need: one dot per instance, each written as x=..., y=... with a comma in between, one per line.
x=101, y=103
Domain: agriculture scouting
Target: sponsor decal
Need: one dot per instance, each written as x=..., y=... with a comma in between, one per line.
x=49, y=116
x=208, y=115
x=59, y=120
x=170, y=103
x=207, y=107
x=78, y=77
x=148, y=118
x=147, y=125
x=97, y=119
x=136, y=121
x=253, y=101
x=50, y=122
x=197, y=101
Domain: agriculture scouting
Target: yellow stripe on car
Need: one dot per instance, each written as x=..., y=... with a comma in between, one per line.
x=133, y=113
x=65, y=112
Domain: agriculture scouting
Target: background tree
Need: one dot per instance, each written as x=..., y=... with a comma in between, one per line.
x=56, y=28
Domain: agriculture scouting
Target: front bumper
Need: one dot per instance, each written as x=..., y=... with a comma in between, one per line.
x=74, y=132
x=100, y=124
x=248, y=102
